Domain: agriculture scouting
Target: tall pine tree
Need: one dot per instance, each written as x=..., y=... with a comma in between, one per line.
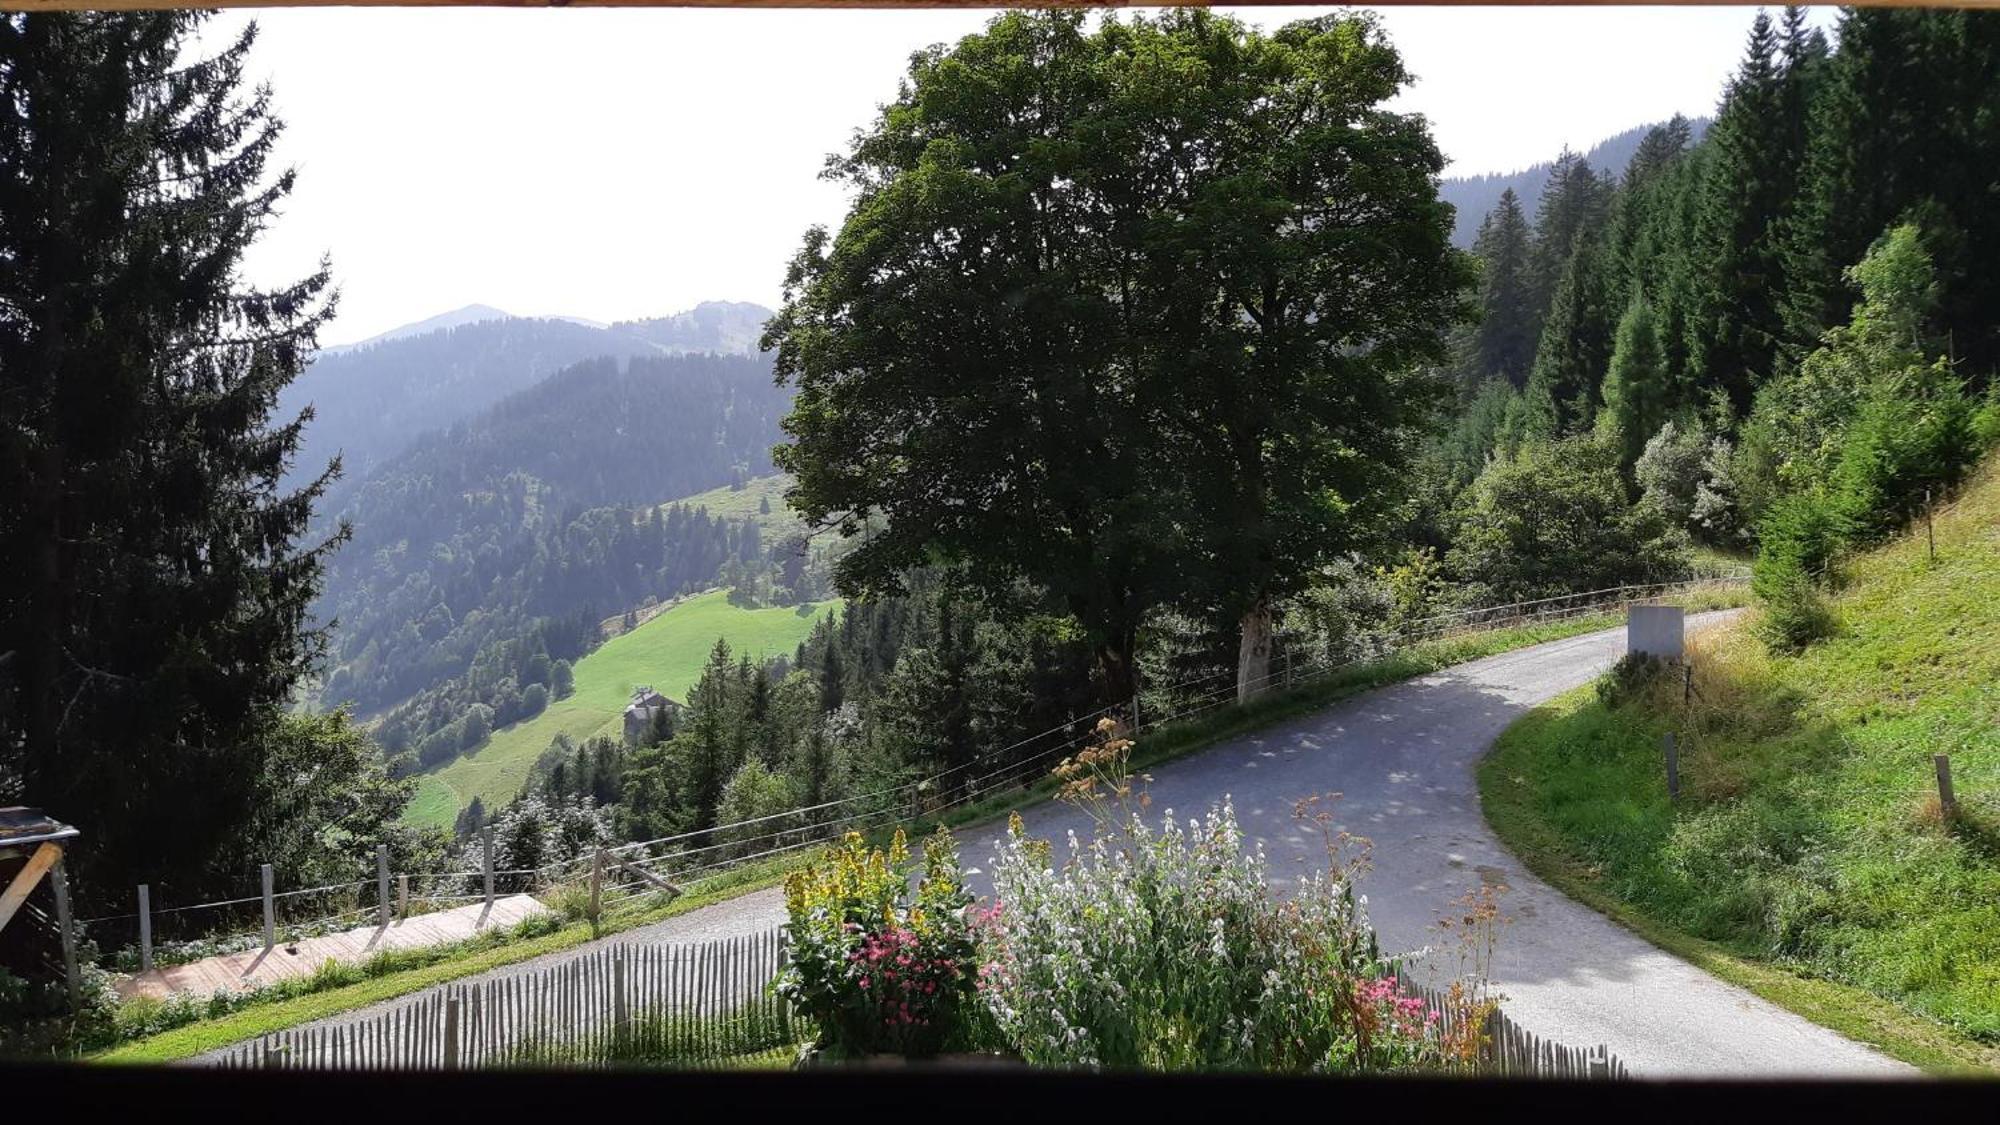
x=1504, y=345
x=153, y=585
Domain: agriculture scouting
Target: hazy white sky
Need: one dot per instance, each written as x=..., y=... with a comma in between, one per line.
x=617, y=163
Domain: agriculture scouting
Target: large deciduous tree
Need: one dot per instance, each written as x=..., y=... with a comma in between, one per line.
x=1132, y=312
x=153, y=586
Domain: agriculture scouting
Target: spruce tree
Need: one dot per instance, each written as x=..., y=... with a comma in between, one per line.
x=1903, y=127
x=1574, y=203
x=154, y=582
x=1635, y=387
x=1504, y=345
x=1749, y=179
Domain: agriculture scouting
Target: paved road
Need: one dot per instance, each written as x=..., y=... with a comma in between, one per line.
x=1403, y=757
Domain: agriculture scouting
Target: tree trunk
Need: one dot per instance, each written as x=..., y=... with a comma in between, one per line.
x=1253, y=654
x=1114, y=662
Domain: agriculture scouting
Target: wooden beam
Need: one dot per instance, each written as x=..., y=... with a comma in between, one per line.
x=648, y=876
x=24, y=881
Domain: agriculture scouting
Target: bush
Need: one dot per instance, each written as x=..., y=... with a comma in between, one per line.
x=874, y=967
x=1802, y=536
x=1553, y=520
x=1632, y=675
x=1166, y=950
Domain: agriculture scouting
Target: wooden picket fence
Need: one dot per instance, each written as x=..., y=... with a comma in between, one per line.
x=674, y=1004
x=1509, y=1050
x=694, y=1005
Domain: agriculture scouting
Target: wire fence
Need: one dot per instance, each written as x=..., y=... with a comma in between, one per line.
x=686, y=858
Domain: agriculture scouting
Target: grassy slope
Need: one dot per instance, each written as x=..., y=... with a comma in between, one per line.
x=1157, y=746
x=732, y=504
x=1807, y=859
x=667, y=652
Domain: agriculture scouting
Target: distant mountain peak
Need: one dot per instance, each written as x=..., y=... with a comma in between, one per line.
x=723, y=327
x=469, y=314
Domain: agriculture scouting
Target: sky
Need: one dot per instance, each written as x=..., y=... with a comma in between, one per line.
x=617, y=163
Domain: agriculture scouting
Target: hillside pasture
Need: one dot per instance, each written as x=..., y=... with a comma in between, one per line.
x=666, y=652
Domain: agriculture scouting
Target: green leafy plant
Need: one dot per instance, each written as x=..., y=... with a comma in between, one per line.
x=877, y=968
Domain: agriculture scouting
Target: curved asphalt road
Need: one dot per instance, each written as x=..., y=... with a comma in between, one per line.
x=1403, y=757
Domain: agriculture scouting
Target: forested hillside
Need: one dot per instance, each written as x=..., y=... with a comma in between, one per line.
x=489, y=552
x=1702, y=321
x=372, y=400
x=1473, y=197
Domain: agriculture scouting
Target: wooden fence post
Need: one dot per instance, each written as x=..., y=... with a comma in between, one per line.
x=621, y=1012
x=596, y=888
x=1930, y=533
x=450, y=1052
x=1673, y=769
x=382, y=882
x=487, y=832
x=59, y=883
x=402, y=896
x=1947, y=801
x=270, y=913
x=145, y=928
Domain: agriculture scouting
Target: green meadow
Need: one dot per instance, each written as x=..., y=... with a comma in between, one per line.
x=666, y=652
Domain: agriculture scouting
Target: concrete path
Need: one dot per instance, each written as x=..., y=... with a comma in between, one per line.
x=1403, y=757
x=257, y=967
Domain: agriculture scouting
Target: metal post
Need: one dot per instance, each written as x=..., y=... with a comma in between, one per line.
x=1687, y=684
x=487, y=832
x=1673, y=769
x=1947, y=801
x=382, y=882
x=1135, y=710
x=145, y=928
x=270, y=913
x=59, y=883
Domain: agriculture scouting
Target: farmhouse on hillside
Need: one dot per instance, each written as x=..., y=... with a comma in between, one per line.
x=646, y=703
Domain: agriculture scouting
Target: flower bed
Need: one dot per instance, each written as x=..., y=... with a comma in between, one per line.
x=1159, y=948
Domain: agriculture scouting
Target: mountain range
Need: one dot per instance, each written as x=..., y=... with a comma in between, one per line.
x=371, y=400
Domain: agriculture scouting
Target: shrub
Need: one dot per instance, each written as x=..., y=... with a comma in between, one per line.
x=1164, y=949
x=1633, y=674
x=874, y=967
x=1555, y=519
x=1802, y=536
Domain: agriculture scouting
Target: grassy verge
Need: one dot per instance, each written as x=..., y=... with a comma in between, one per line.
x=1808, y=857
x=1159, y=745
x=1510, y=806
